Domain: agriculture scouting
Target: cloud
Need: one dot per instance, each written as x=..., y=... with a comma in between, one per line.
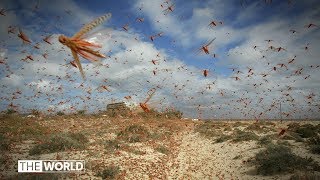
x=135, y=65
x=12, y=80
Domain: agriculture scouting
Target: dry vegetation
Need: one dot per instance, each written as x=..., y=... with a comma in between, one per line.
x=152, y=146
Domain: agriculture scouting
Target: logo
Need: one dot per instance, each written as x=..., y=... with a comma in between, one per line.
x=51, y=166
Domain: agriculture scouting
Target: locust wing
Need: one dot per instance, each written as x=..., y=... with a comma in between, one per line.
x=211, y=41
x=153, y=90
x=88, y=27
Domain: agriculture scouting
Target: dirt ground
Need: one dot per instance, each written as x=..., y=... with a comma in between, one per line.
x=173, y=149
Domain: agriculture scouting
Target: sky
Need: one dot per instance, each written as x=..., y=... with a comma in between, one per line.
x=263, y=62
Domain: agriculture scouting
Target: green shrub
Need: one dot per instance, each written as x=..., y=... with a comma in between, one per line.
x=60, y=113
x=156, y=135
x=266, y=123
x=237, y=124
x=151, y=114
x=240, y=136
x=306, y=130
x=293, y=136
x=170, y=114
x=305, y=176
x=314, y=143
x=318, y=128
x=162, y=149
x=208, y=129
x=60, y=142
x=81, y=112
x=278, y=159
x=227, y=128
x=259, y=127
x=293, y=126
x=137, y=152
x=283, y=143
x=20, y=128
x=109, y=173
x=11, y=111
x=4, y=143
x=254, y=127
x=3, y=160
x=112, y=145
x=173, y=114
x=265, y=140
x=315, y=149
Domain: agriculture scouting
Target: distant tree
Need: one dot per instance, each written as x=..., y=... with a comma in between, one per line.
x=35, y=112
x=81, y=112
x=60, y=113
x=11, y=111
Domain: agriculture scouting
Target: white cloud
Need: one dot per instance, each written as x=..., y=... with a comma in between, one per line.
x=12, y=80
x=130, y=71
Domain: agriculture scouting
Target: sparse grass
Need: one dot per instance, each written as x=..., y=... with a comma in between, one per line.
x=278, y=159
x=265, y=140
x=152, y=114
x=315, y=149
x=240, y=136
x=305, y=176
x=208, y=129
x=109, y=172
x=260, y=127
x=38, y=176
x=162, y=149
x=227, y=128
x=293, y=126
x=314, y=143
x=306, y=130
x=266, y=123
x=137, y=152
x=134, y=133
x=293, y=136
x=60, y=142
x=155, y=135
x=318, y=128
x=173, y=114
x=283, y=143
x=168, y=133
x=2, y=160
x=237, y=124
x=237, y=136
x=4, y=143
x=112, y=145
x=20, y=128
x=254, y=127
x=223, y=138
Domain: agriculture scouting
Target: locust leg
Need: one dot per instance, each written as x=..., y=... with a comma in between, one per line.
x=76, y=58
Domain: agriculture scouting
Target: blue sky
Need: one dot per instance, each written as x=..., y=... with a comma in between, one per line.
x=179, y=70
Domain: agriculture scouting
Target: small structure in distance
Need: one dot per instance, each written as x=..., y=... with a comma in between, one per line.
x=118, y=109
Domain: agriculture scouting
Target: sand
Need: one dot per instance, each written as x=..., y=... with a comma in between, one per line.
x=190, y=155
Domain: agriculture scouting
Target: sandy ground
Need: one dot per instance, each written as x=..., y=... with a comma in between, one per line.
x=191, y=156
x=198, y=158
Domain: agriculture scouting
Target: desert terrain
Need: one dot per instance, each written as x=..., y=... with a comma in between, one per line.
x=159, y=148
